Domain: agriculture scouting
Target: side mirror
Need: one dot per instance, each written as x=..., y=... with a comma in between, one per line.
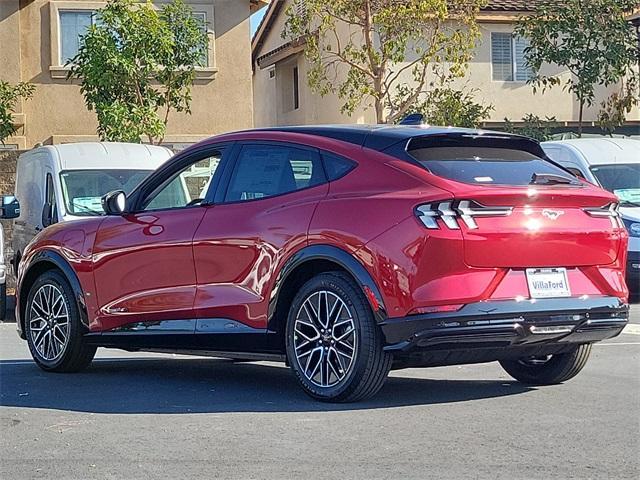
x=114, y=203
x=9, y=207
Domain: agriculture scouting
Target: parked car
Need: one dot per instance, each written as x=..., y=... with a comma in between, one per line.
x=58, y=183
x=3, y=278
x=344, y=251
x=614, y=164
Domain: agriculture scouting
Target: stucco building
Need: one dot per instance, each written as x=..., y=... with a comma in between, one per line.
x=38, y=36
x=497, y=74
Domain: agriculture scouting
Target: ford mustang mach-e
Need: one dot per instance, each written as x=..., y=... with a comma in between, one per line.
x=344, y=251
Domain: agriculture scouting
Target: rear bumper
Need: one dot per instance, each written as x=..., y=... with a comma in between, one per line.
x=500, y=324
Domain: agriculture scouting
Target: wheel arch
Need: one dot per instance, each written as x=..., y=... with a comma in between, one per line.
x=44, y=261
x=305, y=264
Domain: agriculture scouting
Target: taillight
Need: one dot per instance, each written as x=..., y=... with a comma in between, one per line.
x=451, y=212
x=609, y=211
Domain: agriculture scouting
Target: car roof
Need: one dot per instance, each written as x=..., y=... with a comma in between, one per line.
x=380, y=137
x=603, y=151
x=107, y=155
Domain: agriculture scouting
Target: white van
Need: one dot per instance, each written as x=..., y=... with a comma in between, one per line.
x=614, y=164
x=58, y=183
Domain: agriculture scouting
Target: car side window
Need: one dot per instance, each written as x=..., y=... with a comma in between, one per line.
x=188, y=186
x=336, y=167
x=50, y=202
x=263, y=171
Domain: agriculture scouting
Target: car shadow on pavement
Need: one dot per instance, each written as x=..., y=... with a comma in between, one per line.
x=210, y=386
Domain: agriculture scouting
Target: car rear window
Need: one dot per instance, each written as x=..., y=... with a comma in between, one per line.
x=488, y=161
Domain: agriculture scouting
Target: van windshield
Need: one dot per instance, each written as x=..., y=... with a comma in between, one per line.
x=83, y=189
x=623, y=179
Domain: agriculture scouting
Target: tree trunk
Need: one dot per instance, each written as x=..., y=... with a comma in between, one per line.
x=580, y=117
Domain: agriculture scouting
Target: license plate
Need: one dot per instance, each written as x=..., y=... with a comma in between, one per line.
x=548, y=282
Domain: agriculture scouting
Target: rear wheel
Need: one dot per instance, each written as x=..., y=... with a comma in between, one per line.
x=334, y=345
x=53, y=327
x=550, y=369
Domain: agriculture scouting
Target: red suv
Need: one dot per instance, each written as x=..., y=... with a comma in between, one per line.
x=344, y=251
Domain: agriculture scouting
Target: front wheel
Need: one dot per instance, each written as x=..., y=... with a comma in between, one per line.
x=549, y=369
x=53, y=327
x=334, y=345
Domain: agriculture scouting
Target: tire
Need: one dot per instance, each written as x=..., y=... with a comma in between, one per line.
x=343, y=363
x=556, y=369
x=55, y=346
x=3, y=301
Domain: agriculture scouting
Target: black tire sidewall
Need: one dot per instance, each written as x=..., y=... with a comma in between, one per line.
x=75, y=328
x=363, y=322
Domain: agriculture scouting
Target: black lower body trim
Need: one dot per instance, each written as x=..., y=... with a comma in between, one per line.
x=509, y=324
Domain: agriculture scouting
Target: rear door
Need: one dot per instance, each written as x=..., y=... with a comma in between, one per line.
x=143, y=261
x=516, y=209
x=261, y=218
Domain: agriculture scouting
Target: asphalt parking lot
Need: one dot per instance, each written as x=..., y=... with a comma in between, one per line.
x=162, y=416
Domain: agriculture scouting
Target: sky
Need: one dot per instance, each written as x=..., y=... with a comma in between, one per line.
x=255, y=19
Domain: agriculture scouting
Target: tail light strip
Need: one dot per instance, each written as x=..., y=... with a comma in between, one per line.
x=609, y=210
x=450, y=212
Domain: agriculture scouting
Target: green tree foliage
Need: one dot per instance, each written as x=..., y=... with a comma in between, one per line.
x=589, y=38
x=9, y=96
x=456, y=108
x=383, y=53
x=136, y=64
x=533, y=126
x=614, y=109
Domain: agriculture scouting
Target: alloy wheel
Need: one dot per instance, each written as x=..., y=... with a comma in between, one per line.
x=325, y=339
x=49, y=322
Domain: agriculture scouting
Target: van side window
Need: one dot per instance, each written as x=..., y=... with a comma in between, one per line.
x=50, y=212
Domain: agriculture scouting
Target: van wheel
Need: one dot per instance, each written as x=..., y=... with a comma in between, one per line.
x=3, y=301
x=53, y=327
x=334, y=345
x=550, y=369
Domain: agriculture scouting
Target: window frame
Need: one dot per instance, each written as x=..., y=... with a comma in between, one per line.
x=58, y=70
x=513, y=63
x=225, y=182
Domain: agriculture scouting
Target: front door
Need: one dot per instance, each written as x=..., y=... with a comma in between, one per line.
x=143, y=261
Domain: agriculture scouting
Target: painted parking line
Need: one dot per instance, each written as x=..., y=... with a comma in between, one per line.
x=632, y=329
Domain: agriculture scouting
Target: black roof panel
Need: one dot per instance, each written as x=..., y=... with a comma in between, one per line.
x=381, y=137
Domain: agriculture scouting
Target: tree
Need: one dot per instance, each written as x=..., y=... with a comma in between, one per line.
x=136, y=64
x=533, y=126
x=591, y=39
x=9, y=96
x=383, y=53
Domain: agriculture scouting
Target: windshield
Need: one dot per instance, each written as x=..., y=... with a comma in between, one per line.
x=622, y=179
x=83, y=189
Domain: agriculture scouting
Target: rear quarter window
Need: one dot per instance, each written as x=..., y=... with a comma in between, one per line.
x=486, y=161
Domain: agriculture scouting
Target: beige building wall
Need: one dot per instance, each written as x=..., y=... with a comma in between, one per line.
x=29, y=51
x=512, y=100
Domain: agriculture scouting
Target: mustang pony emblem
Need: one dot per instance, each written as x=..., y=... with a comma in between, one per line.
x=552, y=214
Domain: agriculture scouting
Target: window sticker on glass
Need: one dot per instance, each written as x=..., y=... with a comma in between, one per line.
x=483, y=179
x=628, y=194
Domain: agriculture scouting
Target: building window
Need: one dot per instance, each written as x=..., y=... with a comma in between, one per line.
x=507, y=58
x=73, y=24
x=296, y=90
x=202, y=17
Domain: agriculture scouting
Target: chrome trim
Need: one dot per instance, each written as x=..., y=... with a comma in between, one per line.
x=469, y=209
